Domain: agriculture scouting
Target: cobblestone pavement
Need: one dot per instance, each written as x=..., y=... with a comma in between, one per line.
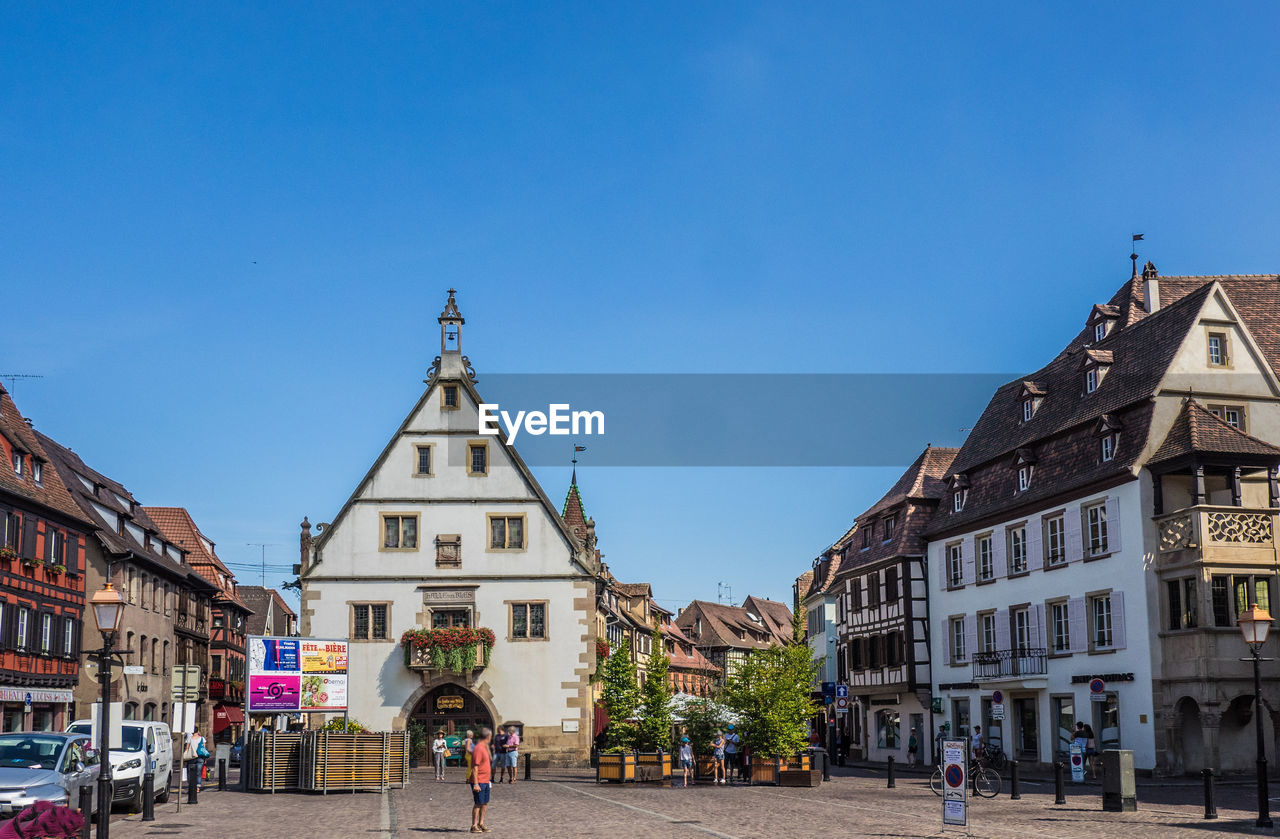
x=566, y=803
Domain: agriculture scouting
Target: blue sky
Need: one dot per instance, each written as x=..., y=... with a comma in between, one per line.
x=227, y=230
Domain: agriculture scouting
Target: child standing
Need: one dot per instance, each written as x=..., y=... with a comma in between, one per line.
x=686, y=760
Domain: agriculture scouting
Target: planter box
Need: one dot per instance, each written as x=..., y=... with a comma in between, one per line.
x=616, y=768
x=653, y=766
x=703, y=767
x=800, y=778
x=802, y=762
x=764, y=771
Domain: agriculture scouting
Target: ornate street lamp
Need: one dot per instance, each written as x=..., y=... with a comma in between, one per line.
x=1254, y=626
x=108, y=609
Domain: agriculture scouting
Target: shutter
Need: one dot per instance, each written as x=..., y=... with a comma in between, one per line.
x=48, y=542
x=28, y=537
x=1037, y=634
x=946, y=640
x=1002, y=630
x=1113, y=524
x=999, y=562
x=55, y=636
x=10, y=624
x=1117, y=620
x=72, y=551
x=942, y=570
x=1077, y=625
x=1035, y=552
x=966, y=559
x=1075, y=541
x=77, y=628
x=970, y=636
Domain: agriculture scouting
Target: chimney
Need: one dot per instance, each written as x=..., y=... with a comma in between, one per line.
x=1150, y=288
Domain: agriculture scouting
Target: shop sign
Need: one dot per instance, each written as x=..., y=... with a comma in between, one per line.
x=449, y=703
x=35, y=695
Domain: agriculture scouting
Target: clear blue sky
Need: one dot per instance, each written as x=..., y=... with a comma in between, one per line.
x=227, y=231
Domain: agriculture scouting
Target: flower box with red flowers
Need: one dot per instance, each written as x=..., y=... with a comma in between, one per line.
x=457, y=649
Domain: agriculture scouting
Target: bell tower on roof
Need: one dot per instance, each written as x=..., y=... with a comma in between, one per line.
x=451, y=363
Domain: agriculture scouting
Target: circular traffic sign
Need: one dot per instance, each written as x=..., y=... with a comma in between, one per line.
x=1097, y=686
x=955, y=775
x=997, y=697
x=1077, y=759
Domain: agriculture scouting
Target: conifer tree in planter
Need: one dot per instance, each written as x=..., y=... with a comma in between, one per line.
x=656, y=718
x=621, y=698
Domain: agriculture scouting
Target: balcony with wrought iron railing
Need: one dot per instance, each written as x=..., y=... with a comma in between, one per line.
x=1218, y=534
x=1017, y=663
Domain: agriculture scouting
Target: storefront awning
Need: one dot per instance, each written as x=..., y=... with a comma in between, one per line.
x=225, y=716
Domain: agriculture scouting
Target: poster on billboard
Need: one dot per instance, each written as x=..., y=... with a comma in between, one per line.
x=297, y=674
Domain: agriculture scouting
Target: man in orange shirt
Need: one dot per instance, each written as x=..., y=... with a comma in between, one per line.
x=481, y=772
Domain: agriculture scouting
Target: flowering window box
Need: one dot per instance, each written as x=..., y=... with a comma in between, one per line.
x=458, y=649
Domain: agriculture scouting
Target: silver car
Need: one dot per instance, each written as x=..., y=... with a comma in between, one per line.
x=44, y=766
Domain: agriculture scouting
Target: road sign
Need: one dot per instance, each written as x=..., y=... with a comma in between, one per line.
x=134, y=669
x=997, y=697
x=1097, y=690
x=997, y=710
x=828, y=688
x=955, y=787
x=842, y=704
x=186, y=683
x=842, y=691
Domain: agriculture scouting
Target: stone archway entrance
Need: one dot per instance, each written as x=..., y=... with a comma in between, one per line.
x=452, y=708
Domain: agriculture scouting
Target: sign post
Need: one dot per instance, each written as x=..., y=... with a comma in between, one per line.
x=185, y=690
x=997, y=705
x=842, y=704
x=1097, y=690
x=955, y=784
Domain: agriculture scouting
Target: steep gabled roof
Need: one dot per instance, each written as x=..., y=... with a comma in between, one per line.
x=180, y=528
x=722, y=624
x=51, y=493
x=1197, y=431
x=925, y=479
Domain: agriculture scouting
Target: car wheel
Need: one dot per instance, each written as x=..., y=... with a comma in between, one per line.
x=135, y=803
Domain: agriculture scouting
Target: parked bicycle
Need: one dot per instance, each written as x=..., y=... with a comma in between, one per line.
x=985, y=781
x=994, y=757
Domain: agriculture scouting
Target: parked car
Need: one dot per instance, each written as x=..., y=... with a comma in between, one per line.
x=140, y=739
x=237, y=748
x=44, y=766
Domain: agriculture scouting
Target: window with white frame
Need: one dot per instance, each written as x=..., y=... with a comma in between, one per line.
x=958, y=499
x=37, y=471
x=1218, y=349
x=1028, y=409
x=1024, y=476
x=1100, y=330
x=988, y=620
x=1096, y=527
x=17, y=463
x=1060, y=623
x=955, y=564
x=68, y=636
x=1018, y=549
x=957, y=639
x=1022, y=628
x=1108, y=447
x=1100, y=622
x=986, y=562
x=24, y=627
x=1055, y=540
x=1091, y=380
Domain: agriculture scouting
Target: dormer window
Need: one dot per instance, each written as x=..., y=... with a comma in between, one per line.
x=1026, y=464
x=17, y=464
x=1101, y=320
x=1091, y=380
x=866, y=538
x=37, y=471
x=1032, y=396
x=1024, y=477
x=1096, y=363
x=890, y=523
x=1028, y=409
x=1108, y=433
x=1108, y=447
x=1099, y=330
x=958, y=499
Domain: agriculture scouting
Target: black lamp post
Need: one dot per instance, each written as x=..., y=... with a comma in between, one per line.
x=108, y=607
x=1254, y=625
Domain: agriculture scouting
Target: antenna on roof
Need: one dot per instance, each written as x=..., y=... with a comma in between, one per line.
x=264, y=546
x=724, y=594
x=12, y=377
x=1137, y=237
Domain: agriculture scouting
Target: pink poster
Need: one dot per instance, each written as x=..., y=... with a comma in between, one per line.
x=274, y=693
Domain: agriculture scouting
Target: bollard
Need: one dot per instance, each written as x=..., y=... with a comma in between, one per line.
x=826, y=766
x=149, y=797
x=222, y=774
x=1014, y=795
x=528, y=766
x=193, y=783
x=86, y=808
x=889, y=761
x=1059, y=784
x=1210, y=808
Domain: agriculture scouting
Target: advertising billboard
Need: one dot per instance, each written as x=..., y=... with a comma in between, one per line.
x=297, y=674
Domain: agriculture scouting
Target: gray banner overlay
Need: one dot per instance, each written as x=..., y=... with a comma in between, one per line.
x=806, y=419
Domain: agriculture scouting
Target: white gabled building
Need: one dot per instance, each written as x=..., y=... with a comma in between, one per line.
x=450, y=528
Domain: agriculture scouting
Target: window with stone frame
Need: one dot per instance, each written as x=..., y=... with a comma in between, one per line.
x=1017, y=549
x=529, y=621
x=986, y=558
x=506, y=533
x=449, y=550
x=423, y=465
x=369, y=621
x=399, y=531
x=1055, y=541
x=1095, y=521
x=1232, y=415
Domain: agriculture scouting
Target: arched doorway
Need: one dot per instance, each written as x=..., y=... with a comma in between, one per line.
x=452, y=708
x=1191, y=736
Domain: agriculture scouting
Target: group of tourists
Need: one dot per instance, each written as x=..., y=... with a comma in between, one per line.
x=725, y=754
x=482, y=754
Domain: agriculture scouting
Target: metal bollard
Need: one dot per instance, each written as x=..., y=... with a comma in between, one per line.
x=826, y=766
x=222, y=775
x=86, y=808
x=193, y=783
x=528, y=766
x=149, y=797
x=1014, y=795
x=1210, y=808
x=889, y=761
x=1059, y=783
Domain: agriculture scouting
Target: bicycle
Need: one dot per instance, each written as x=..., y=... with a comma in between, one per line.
x=993, y=757
x=986, y=782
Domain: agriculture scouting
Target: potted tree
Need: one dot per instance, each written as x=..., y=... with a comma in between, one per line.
x=417, y=743
x=703, y=718
x=770, y=691
x=653, y=735
x=621, y=698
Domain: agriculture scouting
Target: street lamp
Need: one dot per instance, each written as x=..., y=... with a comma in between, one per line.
x=1254, y=626
x=108, y=608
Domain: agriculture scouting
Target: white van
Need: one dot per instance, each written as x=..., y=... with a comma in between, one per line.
x=128, y=764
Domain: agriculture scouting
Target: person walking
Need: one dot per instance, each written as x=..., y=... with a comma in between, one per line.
x=512, y=753
x=913, y=749
x=1090, y=748
x=686, y=761
x=717, y=758
x=500, y=755
x=479, y=778
x=467, y=745
x=731, y=742
x=197, y=749
x=440, y=750
x=975, y=745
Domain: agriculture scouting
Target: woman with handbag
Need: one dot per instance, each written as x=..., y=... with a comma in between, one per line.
x=195, y=754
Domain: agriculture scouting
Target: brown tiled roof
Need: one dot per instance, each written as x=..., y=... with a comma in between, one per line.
x=51, y=493
x=1198, y=431
x=1255, y=296
x=574, y=515
x=805, y=587
x=634, y=589
x=108, y=493
x=261, y=601
x=721, y=624
x=178, y=526
x=926, y=478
